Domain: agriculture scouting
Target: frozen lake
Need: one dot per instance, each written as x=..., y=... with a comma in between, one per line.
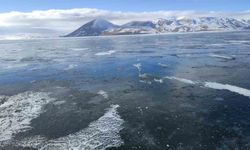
x=178, y=91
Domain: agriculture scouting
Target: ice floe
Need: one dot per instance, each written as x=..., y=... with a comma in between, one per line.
x=100, y=134
x=222, y=56
x=103, y=93
x=71, y=66
x=145, y=77
x=215, y=85
x=59, y=102
x=181, y=80
x=162, y=65
x=138, y=67
x=105, y=53
x=219, y=99
x=79, y=49
x=17, y=111
x=228, y=87
x=238, y=41
x=9, y=66
x=217, y=44
x=159, y=80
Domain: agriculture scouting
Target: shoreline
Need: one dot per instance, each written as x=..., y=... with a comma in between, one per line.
x=133, y=35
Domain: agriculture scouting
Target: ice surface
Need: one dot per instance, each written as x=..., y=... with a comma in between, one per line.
x=50, y=58
x=17, y=111
x=100, y=134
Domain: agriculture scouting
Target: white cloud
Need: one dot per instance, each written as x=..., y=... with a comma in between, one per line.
x=57, y=21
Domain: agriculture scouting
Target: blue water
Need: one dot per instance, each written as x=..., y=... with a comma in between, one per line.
x=167, y=115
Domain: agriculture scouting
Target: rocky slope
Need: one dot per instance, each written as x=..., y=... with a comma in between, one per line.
x=93, y=28
x=102, y=27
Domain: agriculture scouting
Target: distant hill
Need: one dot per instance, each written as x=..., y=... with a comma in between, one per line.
x=103, y=27
x=93, y=28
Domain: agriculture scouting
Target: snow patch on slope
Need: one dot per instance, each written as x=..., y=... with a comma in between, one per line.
x=102, y=24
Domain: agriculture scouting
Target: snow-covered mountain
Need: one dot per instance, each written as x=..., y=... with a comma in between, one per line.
x=133, y=27
x=103, y=27
x=200, y=24
x=93, y=28
x=140, y=24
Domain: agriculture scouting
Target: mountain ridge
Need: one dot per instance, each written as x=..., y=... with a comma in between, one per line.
x=99, y=27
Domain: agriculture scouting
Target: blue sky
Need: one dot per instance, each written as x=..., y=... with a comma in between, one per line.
x=126, y=5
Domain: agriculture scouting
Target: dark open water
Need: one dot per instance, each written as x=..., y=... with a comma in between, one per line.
x=183, y=91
